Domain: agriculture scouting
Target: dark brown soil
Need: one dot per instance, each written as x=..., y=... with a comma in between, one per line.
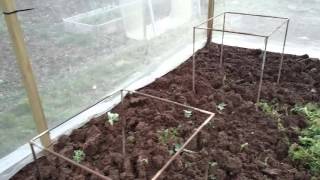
x=241, y=143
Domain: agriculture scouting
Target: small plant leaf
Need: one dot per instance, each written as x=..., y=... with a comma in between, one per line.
x=244, y=145
x=187, y=113
x=112, y=118
x=78, y=156
x=221, y=106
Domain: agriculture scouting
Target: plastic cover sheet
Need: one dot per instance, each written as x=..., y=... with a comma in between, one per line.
x=91, y=48
x=16, y=124
x=303, y=36
x=83, y=50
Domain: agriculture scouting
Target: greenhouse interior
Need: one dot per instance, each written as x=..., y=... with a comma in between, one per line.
x=159, y=89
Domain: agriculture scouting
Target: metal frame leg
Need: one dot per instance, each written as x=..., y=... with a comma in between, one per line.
x=193, y=62
x=262, y=68
x=37, y=170
x=124, y=123
x=222, y=40
x=283, y=47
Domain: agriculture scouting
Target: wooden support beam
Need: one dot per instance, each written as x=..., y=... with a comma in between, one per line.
x=29, y=82
x=210, y=22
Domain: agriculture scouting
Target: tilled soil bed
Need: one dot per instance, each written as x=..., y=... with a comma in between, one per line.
x=241, y=143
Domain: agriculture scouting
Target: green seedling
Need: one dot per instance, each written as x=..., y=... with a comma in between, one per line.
x=144, y=161
x=112, y=118
x=221, y=106
x=177, y=147
x=272, y=110
x=78, y=156
x=187, y=113
x=244, y=145
x=269, y=109
x=213, y=164
x=168, y=135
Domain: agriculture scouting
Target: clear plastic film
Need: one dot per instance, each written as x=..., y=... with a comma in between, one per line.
x=82, y=51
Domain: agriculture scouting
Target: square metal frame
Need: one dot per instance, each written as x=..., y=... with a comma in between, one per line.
x=33, y=142
x=285, y=21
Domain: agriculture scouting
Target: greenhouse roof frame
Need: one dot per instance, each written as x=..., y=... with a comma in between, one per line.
x=285, y=21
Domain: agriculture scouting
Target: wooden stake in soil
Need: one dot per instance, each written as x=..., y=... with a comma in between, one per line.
x=14, y=28
x=210, y=22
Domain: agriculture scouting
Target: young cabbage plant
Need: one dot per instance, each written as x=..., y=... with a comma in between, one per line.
x=78, y=156
x=221, y=106
x=187, y=113
x=112, y=118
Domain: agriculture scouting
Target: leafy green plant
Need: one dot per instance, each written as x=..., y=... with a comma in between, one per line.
x=221, y=106
x=307, y=150
x=168, y=135
x=78, y=156
x=112, y=118
x=187, y=113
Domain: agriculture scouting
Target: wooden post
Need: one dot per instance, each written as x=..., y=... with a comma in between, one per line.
x=210, y=22
x=30, y=85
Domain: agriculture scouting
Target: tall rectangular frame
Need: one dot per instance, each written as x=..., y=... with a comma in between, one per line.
x=264, y=36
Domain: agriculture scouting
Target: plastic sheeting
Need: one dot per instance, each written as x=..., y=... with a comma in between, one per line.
x=303, y=36
x=93, y=48
x=16, y=123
